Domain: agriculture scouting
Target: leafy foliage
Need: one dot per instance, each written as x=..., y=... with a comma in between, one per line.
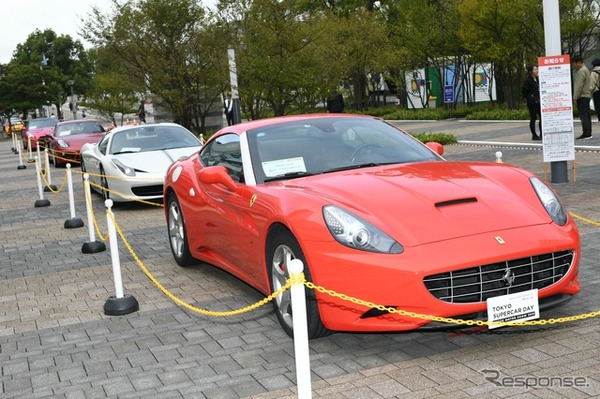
x=442, y=138
x=39, y=71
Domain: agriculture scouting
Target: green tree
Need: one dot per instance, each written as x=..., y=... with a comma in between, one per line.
x=37, y=74
x=113, y=93
x=282, y=58
x=580, y=26
x=423, y=33
x=504, y=32
x=157, y=42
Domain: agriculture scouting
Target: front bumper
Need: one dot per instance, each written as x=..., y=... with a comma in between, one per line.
x=146, y=186
x=398, y=280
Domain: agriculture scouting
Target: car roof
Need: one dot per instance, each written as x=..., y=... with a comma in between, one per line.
x=241, y=127
x=78, y=121
x=147, y=125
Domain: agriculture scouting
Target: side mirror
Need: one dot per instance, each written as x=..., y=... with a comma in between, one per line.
x=217, y=174
x=435, y=147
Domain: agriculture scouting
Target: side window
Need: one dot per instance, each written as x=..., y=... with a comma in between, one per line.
x=224, y=151
x=103, y=145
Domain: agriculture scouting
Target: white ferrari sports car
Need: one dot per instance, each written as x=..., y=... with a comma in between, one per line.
x=130, y=162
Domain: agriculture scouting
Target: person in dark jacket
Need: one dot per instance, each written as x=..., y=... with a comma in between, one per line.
x=582, y=96
x=595, y=85
x=335, y=104
x=531, y=92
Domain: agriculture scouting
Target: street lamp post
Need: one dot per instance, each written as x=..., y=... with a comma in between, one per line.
x=236, y=111
x=72, y=103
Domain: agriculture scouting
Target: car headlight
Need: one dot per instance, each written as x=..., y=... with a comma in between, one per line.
x=353, y=232
x=62, y=144
x=123, y=168
x=550, y=201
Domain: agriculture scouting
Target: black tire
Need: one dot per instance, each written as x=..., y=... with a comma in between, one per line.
x=83, y=172
x=104, y=184
x=281, y=248
x=57, y=162
x=177, y=234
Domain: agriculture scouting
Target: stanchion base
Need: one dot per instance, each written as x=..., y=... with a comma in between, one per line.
x=42, y=203
x=22, y=167
x=120, y=306
x=93, y=247
x=50, y=188
x=73, y=223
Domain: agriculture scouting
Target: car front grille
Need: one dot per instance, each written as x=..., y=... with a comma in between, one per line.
x=146, y=191
x=477, y=284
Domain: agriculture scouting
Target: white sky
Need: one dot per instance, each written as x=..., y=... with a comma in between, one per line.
x=20, y=18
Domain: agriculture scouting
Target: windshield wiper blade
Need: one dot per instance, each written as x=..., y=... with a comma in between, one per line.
x=358, y=166
x=288, y=176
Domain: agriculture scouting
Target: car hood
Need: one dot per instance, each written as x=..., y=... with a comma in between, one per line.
x=78, y=140
x=154, y=161
x=429, y=202
x=41, y=131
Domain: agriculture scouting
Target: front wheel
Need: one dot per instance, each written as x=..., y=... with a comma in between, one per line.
x=55, y=160
x=104, y=184
x=177, y=237
x=281, y=249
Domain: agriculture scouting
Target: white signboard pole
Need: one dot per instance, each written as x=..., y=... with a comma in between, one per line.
x=558, y=169
x=557, y=108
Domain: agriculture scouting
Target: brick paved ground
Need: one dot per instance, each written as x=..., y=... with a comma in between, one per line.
x=55, y=340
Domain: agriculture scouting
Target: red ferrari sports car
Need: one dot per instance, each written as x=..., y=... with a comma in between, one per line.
x=373, y=214
x=68, y=138
x=36, y=130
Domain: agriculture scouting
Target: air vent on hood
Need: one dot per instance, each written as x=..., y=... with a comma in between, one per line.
x=455, y=202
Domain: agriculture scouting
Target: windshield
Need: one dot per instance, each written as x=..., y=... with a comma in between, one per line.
x=324, y=145
x=69, y=129
x=152, y=138
x=40, y=123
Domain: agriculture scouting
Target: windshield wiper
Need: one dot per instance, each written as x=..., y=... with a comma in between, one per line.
x=288, y=176
x=124, y=152
x=358, y=166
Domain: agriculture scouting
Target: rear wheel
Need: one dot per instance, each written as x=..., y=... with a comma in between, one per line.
x=282, y=248
x=177, y=235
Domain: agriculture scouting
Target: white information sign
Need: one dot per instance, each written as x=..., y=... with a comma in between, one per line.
x=512, y=307
x=283, y=166
x=556, y=103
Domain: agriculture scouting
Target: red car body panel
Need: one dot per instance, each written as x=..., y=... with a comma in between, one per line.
x=446, y=215
x=72, y=152
x=36, y=132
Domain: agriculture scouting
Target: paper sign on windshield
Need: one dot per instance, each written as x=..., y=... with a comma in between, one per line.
x=282, y=166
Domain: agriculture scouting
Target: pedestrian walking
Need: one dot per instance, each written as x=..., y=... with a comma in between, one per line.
x=228, y=109
x=582, y=96
x=531, y=92
x=595, y=85
x=335, y=104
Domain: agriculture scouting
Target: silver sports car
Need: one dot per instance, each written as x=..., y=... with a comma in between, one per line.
x=130, y=162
